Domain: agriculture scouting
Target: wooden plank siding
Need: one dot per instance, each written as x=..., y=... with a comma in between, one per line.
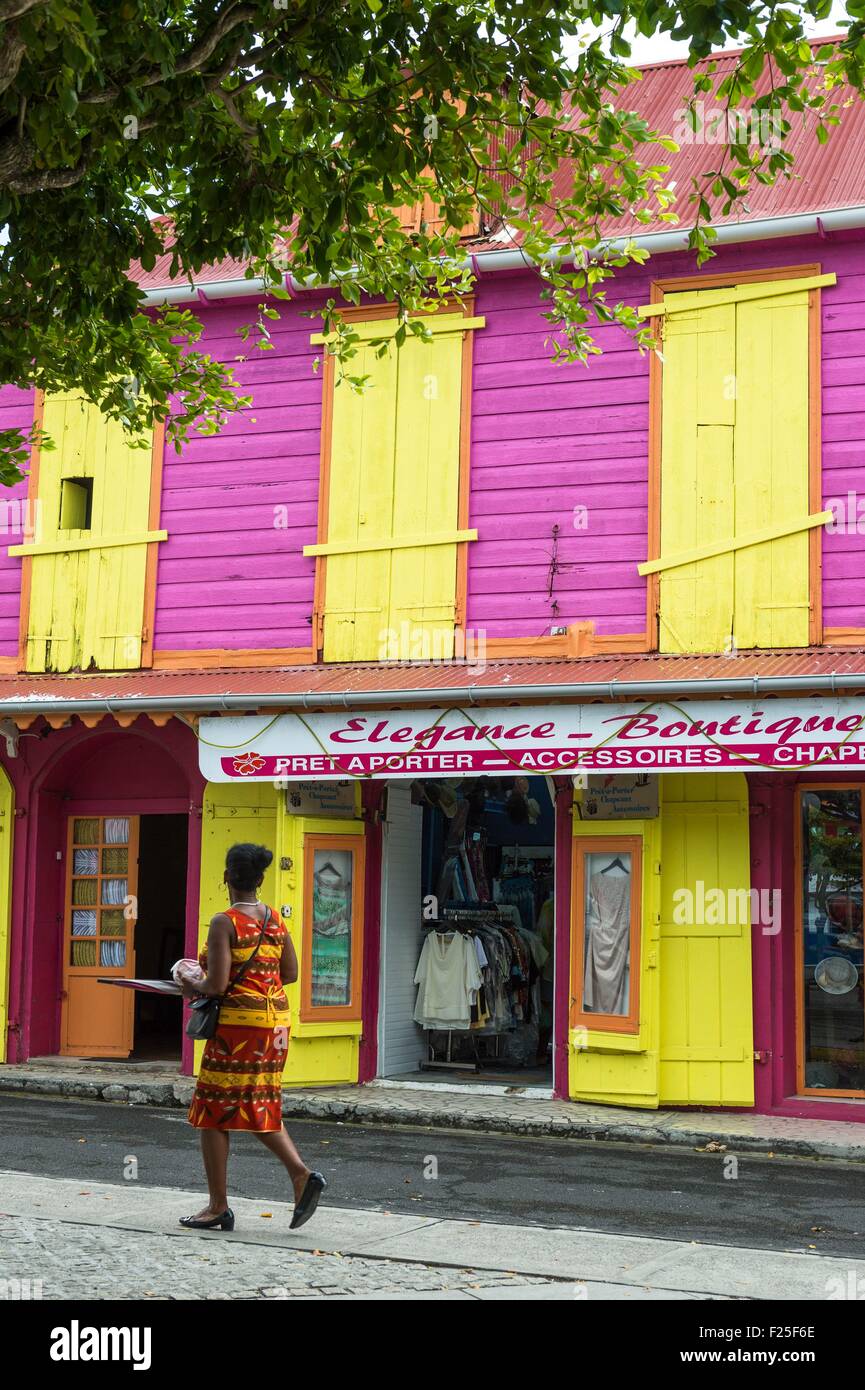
x=544, y=440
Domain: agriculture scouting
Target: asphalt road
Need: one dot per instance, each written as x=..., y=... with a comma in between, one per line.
x=623, y=1188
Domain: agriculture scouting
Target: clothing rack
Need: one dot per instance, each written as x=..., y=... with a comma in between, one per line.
x=460, y=918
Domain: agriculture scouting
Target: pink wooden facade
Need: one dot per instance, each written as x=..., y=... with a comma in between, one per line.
x=559, y=494
x=546, y=441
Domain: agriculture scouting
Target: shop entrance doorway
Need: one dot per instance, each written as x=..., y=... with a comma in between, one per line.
x=830, y=964
x=467, y=949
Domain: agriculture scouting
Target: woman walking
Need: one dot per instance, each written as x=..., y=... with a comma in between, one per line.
x=248, y=959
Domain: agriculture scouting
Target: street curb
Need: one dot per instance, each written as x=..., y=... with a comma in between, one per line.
x=366, y=1110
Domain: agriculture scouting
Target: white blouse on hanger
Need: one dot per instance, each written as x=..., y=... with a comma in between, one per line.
x=448, y=976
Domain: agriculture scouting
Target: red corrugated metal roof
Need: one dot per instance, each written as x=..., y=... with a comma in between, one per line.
x=827, y=177
x=500, y=680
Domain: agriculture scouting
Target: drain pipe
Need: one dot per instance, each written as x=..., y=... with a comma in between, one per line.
x=752, y=687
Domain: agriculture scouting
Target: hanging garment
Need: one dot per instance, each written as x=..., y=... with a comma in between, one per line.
x=518, y=890
x=448, y=976
x=608, y=935
x=331, y=936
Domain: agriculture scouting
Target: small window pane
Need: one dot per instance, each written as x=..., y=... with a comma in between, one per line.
x=331, y=927
x=114, y=890
x=112, y=953
x=85, y=861
x=84, y=891
x=86, y=832
x=117, y=830
x=113, y=923
x=607, y=923
x=76, y=504
x=84, y=953
x=84, y=924
x=115, y=861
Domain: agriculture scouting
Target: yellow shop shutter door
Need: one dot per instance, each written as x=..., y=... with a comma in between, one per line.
x=697, y=451
x=87, y=599
x=426, y=498
x=771, y=595
x=618, y=1068
x=393, y=502
x=734, y=470
x=360, y=510
x=706, y=1038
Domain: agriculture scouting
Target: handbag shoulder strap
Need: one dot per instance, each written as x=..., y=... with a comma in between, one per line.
x=232, y=984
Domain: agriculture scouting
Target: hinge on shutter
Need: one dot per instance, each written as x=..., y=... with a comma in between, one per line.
x=145, y=632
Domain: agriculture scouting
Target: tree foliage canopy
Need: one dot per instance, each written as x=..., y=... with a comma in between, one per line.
x=287, y=132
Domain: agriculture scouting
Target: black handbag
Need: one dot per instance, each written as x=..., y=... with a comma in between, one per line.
x=204, y=1018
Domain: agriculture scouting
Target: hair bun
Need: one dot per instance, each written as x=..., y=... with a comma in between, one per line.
x=246, y=865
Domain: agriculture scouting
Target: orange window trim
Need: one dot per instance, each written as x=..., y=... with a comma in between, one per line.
x=27, y=560
x=799, y=936
x=465, y=308
x=356, y=845
x=218, y=658
x=815, y=552
x=606, y=844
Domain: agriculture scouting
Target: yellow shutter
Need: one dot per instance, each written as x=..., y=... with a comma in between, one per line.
x=706, y=1042
x=393, y=500
x=615, y=1067
x=87, y=582
x=696, y=600
x=734, y=470
x=772, y=594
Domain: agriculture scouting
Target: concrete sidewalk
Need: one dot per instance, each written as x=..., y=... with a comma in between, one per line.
x=95, y=1240
x=509, y=1112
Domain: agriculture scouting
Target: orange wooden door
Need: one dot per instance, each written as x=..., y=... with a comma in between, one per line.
x=101, y=907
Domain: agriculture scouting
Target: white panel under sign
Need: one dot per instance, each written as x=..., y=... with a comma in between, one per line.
x=401, y=1044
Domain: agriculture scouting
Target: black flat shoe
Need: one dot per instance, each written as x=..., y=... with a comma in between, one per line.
x=225, y=1222
x=305, y=1208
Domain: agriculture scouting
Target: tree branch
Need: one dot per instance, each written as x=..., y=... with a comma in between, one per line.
x=11, y=56
x=46, y=180
x=14, y=9
x=191, y=61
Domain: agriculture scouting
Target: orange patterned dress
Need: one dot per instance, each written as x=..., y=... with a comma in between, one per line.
x=240, y=1082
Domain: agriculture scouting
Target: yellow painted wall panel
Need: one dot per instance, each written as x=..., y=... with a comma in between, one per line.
x=695, y=1045
x=426, y=496
x=7, y=831
x=87, y=606
x=772, y=485
x=320, y=1053
x=361, y=509
x=394, y=475
x=706, y=1029
x=734, y=459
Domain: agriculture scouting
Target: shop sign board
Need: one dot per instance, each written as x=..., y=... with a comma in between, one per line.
x=780, y=735
x=617, y=797
x=322, y=799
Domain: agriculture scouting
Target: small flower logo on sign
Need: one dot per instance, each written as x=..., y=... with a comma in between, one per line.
x=247, y=764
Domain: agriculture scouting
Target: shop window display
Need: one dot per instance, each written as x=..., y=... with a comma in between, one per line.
x=484, y=975
x=831, y=1005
